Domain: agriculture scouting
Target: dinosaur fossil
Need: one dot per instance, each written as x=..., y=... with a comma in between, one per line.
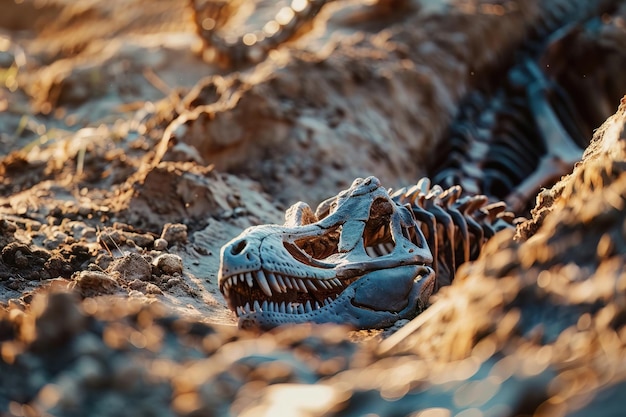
x=331, y=265
x=369, y=258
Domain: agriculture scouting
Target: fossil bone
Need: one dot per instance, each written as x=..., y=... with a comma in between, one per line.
x=365, y=258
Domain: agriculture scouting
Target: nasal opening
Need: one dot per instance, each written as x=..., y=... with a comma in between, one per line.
x=239, y=247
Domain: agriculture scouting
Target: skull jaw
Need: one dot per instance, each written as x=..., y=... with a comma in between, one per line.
x=376, y=300
x=355, y=265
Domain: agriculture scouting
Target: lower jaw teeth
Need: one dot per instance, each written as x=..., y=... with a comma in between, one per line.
x=282, y=307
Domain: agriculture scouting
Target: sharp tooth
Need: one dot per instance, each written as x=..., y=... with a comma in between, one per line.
x=242, y=278
x=301, y=285
x=317, y=305
x=264, y=306
x=282, y=307
x=238, y=311
x=290, y=284
x=380, y=249
x=294, y=283
x=324, y=284
x=307, y=306
x=260, y=278
x=272, y=306
x=281, y=283
x=310, y=284
x=246, y=308
x=289, y=308
x=249, y=279
x=273, y=283
x=225, y=291
x=328, y=300
x=370, y=252
x=337, y=282
x=257, y=307
x=300, y=309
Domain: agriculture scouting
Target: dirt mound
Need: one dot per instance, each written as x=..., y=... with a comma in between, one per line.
x=329, y=109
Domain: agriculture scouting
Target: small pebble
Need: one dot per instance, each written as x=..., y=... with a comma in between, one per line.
x=172, y=282
x=142, y=240
x=169, y=264
x=160, y=244
x=137, y=285
x=152, y=289
x=84, y=210
x=174, y=233
x=111, y=239
x=91, y=283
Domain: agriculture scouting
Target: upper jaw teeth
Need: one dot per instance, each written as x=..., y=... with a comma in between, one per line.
x=270, y=282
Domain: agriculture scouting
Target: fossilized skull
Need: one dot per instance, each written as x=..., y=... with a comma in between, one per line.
x=359, y=260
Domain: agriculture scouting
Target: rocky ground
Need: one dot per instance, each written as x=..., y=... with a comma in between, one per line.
x=127, y=162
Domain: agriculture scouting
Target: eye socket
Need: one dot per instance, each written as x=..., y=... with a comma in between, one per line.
x=377, y=237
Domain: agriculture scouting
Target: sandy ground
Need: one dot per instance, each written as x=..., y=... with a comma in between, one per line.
x=126, y=162
x=113, y=128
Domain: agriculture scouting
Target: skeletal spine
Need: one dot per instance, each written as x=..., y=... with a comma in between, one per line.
x=455, y=227
x=509, y=141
